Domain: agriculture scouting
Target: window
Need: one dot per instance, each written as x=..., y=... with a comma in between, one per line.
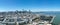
x=19, y=19
x=11, y=20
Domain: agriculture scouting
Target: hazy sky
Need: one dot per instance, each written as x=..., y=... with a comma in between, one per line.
x=33, y=5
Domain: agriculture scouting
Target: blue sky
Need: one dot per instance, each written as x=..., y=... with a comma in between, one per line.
x=33, y=5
